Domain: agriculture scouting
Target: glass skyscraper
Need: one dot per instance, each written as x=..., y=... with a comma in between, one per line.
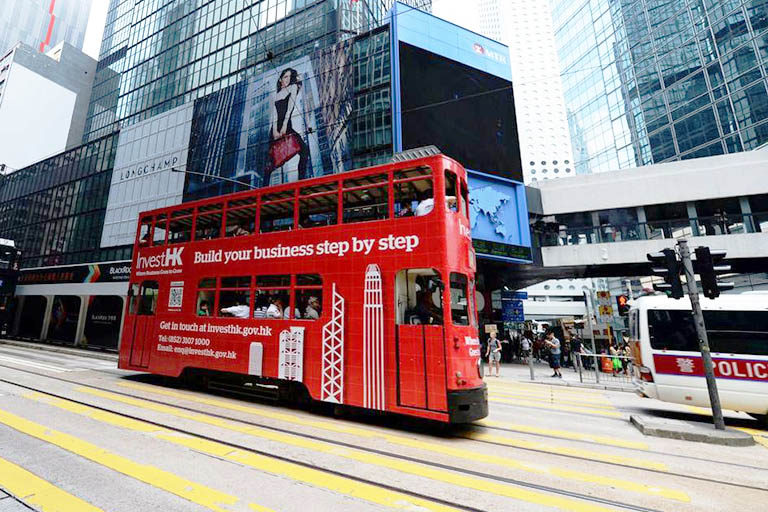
x=649, y=81
x=43, y=23
x=161, y=54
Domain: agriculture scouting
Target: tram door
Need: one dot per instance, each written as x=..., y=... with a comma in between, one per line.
x=143, y=304
x=421, y=341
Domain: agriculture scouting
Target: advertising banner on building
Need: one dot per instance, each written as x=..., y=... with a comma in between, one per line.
x=102, y=324
x=143, y=177
x=96, y=273
x=283, y=125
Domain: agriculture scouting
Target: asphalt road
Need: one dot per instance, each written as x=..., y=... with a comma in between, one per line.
x=76, y=434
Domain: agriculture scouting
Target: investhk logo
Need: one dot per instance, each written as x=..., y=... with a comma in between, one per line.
x=170, y=258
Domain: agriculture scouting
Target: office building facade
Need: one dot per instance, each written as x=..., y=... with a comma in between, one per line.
x=359, y=99
x=655, y=81
x=43, y=23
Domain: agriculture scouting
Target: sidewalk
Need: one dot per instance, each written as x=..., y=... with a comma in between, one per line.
x=74, y=351
x=542, y=375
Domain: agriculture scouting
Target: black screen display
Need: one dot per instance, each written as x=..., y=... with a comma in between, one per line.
x=467, y=113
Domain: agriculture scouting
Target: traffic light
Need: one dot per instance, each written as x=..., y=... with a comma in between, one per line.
x=708, y=265
x=666, y=265
x=622, y=301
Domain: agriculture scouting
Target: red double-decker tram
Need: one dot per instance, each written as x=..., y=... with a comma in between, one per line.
x=357, y=287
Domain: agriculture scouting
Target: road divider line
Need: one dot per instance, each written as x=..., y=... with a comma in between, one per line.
x=33, y=364
x=552, y=400
x=388, y=462
x=156, y=477
x=556, y=407
x=314, y=477
x=37, y=493
x=564, y=434
x=570, y=452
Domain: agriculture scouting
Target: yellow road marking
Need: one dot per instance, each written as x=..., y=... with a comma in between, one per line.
x=37, y=493
x=541, y=387
x=552, y=400
x=550, y=393
x=564, y=434
x=562, y=450
x=314, y=477
x=191, y=491
x=762, y=440
x=378, y=460
x=556, y=407
x=259, y=508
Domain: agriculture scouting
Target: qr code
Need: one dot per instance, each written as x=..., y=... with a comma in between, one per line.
x=174, y=301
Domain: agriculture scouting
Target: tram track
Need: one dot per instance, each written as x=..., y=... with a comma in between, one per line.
x=621, y=505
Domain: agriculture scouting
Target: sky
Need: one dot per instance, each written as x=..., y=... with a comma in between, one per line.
x=95, y=28
x=461, y=12
x=465, y=13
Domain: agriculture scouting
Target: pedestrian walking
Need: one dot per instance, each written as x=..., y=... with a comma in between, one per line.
x=576, y=352
x=554, y=351
x=525, y=347
x=494, y=354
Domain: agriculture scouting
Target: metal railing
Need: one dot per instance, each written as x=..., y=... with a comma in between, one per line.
x=604, y=369
x=655, y=230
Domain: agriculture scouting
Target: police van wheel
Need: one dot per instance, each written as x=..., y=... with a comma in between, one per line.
x=761, y=418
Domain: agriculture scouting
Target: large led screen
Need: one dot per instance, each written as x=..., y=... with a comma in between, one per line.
x=467, y=113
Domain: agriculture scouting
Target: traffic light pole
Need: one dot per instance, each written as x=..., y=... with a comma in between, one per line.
x=701, y=330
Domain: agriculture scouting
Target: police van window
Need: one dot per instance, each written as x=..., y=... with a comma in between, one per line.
x=729, y=332
x=161, y=230
x=413, y=192
x=459, y=299
x=148, y=298
x=180, y=227
x=144, y=230
x=206, y=296
x=208, y=224
x=419, y=297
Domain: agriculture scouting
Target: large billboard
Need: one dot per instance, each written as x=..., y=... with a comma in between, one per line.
x=283, y=125
x=468, y=113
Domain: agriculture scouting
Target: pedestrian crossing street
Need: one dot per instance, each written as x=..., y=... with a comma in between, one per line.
x=207, y=452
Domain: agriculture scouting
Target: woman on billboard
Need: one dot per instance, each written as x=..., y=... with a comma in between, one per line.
x=288, y=152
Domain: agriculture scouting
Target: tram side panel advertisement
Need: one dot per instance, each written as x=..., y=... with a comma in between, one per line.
x=286, y=124
x=102, y=325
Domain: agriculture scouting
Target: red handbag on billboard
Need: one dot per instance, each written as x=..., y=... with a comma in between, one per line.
x=283, y=149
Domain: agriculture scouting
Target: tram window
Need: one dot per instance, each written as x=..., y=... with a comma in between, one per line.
x=459, y=300
x=451, y=190
x=309, y=296
x=133, y=294
x=235, y=297
x=419, y=296
x=206, y=296
x=161, y=230
x=464, y=206
x=273, y=297
x=180, y=230
x=148, y=298
x=241, y=222
x=208, y=227
x=412, y=173
x=276, y=217
x=365, y=204
x=373, y=179
x=144, y=230
x=318, y=210
x=414, y=198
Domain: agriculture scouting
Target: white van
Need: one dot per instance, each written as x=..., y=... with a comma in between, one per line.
x=668, y=364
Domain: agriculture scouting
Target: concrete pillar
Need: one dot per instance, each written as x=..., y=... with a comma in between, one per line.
x=746, y=212
x=642, y=227
x=82, y=315
x=692, y=217
x=47, y=316
x=122, y=321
